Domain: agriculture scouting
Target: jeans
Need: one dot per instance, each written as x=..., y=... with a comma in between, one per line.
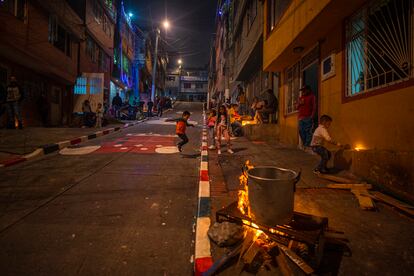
x=325, y=156
x=159, y=111
x=211, y=138
x=242, y=109
x=13, y=110
x=184, y=139
x=305, y=130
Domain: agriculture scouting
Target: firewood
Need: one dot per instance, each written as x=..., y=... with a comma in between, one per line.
x=405, y=208
x=348, y=186
x=365, y=202
x=334, y=178
x=296, y=260
x=222, y=261
x=280, y=258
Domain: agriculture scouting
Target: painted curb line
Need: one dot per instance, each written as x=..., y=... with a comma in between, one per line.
x=203, y=259
x=51, y=148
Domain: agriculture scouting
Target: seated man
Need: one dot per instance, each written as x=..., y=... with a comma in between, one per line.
x=236, y=126
x=271, y=106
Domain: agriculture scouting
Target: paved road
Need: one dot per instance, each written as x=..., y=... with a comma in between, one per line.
x=123, y=209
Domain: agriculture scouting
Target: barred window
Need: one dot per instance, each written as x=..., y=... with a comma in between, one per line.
x=292, y=83
x=379, y=46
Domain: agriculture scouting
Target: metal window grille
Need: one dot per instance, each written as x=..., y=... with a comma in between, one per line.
x=379, y=46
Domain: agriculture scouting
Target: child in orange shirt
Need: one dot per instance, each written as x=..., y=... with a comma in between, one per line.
x=180, y=129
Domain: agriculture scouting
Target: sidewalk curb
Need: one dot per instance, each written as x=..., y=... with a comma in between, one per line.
x=51, y=148
x=203, y=259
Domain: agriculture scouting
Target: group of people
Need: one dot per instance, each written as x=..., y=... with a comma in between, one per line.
x=223, y=124
x=11, y=99
x=91, y=118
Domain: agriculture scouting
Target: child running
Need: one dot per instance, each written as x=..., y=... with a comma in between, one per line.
x=211, y=122
x=321, y=135
x=180, y=128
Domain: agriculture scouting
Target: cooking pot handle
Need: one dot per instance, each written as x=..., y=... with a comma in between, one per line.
x=296, y=180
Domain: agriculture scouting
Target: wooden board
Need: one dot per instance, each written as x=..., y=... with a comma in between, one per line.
x=335, y=178
x=297, y=260
x=408, y=209
x=350, y=186
x=365, y=202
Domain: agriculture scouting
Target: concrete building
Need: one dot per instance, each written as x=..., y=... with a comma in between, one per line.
x=193, y=84
x=39, y=44
x=248, y=52
x=172, y=83
x=96, y=52
x=357, y=56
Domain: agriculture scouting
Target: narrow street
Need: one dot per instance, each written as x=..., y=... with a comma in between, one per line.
x=120, y=210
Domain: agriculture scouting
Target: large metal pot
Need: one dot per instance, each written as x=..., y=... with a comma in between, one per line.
x=271, y=191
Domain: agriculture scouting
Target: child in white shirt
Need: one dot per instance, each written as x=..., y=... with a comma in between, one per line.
x=99, y=116
x=321, y=135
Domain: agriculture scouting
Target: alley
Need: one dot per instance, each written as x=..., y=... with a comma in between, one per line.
x=118, y=210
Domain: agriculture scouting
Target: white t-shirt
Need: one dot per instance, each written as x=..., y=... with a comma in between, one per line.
x=320, y=135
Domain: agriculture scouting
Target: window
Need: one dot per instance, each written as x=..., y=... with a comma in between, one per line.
x=251, y=13
x=276, y=8
x=80, y=86
x=14, y=7
x=292, y=86
x=187, y=85
x=379, y=46
x=59, y=37
x=169, y=78
x=103, y=60
x=90, y=48
x=199, y=85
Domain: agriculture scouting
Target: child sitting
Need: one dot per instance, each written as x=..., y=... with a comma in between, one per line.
x=321, y=135
x=211, y=122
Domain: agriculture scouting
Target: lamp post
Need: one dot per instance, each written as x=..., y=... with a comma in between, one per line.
x=166, y=25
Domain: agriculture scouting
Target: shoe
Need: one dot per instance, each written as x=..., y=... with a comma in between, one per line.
x=230, y=151
x=180, y=149
x=219, y=152
x=212, y=147
x=316, y=171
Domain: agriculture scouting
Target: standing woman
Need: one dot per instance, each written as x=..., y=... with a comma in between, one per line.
x=223, y=129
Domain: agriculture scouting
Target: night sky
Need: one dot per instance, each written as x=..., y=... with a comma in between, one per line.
x=192, y=26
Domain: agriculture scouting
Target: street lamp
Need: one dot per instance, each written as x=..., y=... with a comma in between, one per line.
x=166, y=25
x=180, y=61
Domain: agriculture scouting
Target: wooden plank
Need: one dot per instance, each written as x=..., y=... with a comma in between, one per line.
x=335, y=178
x=350, y=186
x=283, y=264
x=222, y=261
x=365, y=202
x=307, y=269
x=408, y=209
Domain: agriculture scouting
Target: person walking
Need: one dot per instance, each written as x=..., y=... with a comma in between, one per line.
x=14, y=97
x=306, y=112
x=222, y=128
x=150, y=105
x=117, y=104
x=160, y=107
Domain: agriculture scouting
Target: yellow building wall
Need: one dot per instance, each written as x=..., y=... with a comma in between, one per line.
x=299, y=14
x=383, y=121
x=379, y=122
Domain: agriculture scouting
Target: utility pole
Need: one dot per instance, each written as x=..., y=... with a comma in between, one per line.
x=154, y=67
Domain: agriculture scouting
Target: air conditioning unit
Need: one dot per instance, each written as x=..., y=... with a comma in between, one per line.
x=328, y=67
